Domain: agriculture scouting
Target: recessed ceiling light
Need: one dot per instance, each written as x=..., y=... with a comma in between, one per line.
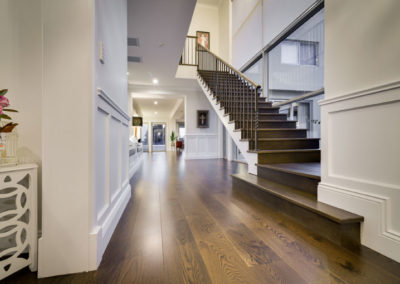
x=127, y=73
x=155, y=102
x=155, y=112
x=155, y=81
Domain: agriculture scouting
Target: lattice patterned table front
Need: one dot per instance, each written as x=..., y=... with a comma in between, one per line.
x=18, y=218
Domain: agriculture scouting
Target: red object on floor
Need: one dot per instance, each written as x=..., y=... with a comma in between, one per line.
x=179, y=145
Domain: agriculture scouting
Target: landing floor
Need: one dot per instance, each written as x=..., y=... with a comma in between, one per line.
x=185, y=225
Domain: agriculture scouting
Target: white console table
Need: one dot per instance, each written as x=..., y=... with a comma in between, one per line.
x=18, y=218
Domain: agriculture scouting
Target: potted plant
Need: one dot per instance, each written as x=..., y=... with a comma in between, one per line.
x=173, y=138
x=8, y=139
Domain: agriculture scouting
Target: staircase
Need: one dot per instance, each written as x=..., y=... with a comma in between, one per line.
x=284, y=165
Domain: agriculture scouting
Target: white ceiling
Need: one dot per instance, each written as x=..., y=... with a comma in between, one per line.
x=164, y=106
x=209, y=2
x=161, y=27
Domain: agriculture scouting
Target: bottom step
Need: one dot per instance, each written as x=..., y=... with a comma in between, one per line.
x=337, y=225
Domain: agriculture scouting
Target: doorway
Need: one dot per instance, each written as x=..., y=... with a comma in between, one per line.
x=158, y=135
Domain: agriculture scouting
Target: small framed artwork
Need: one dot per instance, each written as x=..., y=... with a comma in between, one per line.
x=202, y=119
x=137, y=121
x=203, y=38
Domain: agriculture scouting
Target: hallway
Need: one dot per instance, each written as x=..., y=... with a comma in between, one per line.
x=185, y=225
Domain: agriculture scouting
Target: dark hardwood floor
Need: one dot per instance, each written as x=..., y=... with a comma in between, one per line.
x=184, y=224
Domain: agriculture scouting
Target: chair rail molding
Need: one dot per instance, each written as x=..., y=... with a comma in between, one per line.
x=360, y=161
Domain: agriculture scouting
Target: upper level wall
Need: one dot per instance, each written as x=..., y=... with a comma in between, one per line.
x=206, y=18
x=256, y=23
x=367, y=34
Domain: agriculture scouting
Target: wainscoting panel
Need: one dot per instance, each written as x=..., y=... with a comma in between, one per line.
x=112, y=190
x=102, y=179
x=361, y=162
x=201, y=146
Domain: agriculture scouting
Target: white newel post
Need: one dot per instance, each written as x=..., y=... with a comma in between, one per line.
x=18, y=218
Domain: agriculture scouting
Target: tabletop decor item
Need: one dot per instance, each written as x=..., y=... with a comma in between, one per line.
x=8, y=135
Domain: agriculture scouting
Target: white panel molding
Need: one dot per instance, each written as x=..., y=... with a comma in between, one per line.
x=374, y=195
x=116, y=198
x=201, y=146
x=251, y=158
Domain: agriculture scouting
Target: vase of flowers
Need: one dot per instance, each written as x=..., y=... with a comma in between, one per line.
x=8, y=135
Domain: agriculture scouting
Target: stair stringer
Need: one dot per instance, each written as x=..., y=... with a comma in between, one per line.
x=251, y=158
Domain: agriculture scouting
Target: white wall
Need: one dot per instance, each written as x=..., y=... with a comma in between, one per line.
x=201, y=143
x=360, y=117
x=256, y=23
x=225, y=30
x=67, y=139
x=21, y=73
x=111, y=189
x=205, y=18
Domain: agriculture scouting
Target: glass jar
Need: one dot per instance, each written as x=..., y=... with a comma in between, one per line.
x=8, y=148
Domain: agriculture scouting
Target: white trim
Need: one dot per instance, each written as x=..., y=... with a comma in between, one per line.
x=201, y=156
x=361, y=93
x=101, y=235
x=386, y=241
x=364, y=191
x=102, y=94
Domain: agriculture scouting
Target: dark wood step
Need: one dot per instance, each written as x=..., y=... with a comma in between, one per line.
x=288, y=156
x=302, y=176
x=275, y=133
x=337, y=225
x=265, y=124
x=284, y=143
x=261, y=116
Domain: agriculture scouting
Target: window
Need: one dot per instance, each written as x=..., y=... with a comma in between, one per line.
x=299, y=52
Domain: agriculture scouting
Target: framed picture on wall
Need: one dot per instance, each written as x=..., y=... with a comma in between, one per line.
x=202, y=119
x=203, y=38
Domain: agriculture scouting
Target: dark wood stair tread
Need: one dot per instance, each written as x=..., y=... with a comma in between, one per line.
x=266, y=120
x=272, y=129
x=278, y=139
x=310, y=170
x=282, y=151
x=302, y=199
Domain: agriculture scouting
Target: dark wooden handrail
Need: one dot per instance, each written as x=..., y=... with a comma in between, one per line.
x=302, y=97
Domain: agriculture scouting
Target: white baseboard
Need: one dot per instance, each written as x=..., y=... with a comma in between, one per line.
x=101, y=235
x=199, y=156
x=360, y=161
x=375, y=232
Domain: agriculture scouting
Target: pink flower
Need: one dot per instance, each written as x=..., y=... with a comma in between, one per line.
x=4, y=102
x=1, y=109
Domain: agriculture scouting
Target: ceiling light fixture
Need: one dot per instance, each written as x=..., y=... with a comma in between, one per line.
x=155, y=81
x=127, y=73
x=155, y=102
x=155, y=112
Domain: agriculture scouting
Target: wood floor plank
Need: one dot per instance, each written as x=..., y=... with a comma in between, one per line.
x=184, y=224
x=182, y=260
x=341, y=264
x=223, y=263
